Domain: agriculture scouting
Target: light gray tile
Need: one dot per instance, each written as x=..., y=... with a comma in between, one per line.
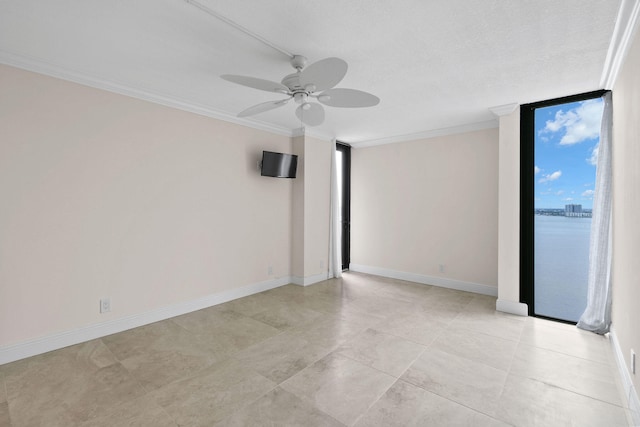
x=250, y=305
x=362, y=314
x=381, y=307
x=161, y=353
x=67, y=386
x=407, y=405
x=280, y=408
x=225, y=331
x=282, y=356
x=469, y=383
x=572, y=373
x=139, y=412
x=419, y=326
x=567, y=339
x=405, y=291
x=527, y=402
x=331, y=331
x=4, y=415
x=498, y=324
x=447, y=299
x=340, y=387
x=211, y=395
x=289, y=316
x=3, y=389
x=387, y=353
x=479, y=347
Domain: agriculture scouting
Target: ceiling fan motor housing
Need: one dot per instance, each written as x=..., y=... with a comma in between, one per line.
x=292, y=81
x=298, y=62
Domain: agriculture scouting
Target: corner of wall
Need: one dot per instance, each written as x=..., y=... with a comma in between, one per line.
x=630, y=392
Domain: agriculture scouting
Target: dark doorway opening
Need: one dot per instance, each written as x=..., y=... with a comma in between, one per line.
x=343, y=153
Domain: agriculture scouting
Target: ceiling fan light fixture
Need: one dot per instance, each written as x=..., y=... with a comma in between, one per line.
x=306, y=106
x=300, y=97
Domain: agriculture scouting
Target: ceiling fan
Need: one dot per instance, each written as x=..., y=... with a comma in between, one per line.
x=316, y=81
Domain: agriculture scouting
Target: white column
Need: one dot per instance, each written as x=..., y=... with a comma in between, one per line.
x=509, y=210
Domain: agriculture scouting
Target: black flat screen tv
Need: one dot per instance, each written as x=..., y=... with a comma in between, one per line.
x=279, y=165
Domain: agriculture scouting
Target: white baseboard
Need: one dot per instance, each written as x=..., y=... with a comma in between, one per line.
x=631, y=395
x=427, y=280
x=512, y=307
x=64, y=339
x=308, y=280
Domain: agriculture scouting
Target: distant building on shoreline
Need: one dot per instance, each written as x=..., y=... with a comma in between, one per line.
x=573, y=211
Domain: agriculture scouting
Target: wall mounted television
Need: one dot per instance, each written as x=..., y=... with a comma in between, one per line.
x=279, y=165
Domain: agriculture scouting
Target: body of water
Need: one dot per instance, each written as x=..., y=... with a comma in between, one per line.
x=561, y=266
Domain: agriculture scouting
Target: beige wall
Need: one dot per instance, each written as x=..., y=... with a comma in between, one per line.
x=311, y=210
x=626, y=207
x=416, y=205
x=317, y=205
x=297, y=224
x=105, y=195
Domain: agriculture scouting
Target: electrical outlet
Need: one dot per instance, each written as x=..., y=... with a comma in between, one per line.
x=105, y=305
x=270, y=270
x=441, y=268
x=633, y=362
x=321, y=264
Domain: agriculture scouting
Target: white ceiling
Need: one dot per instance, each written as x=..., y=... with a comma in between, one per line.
x=433, y=63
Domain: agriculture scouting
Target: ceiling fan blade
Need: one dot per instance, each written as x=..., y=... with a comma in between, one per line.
x=256, y=83
x=348, y=98
x=261, y=108
x=314, y=116
x=324, y=74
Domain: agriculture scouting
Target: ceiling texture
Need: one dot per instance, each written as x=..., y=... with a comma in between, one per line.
x=434, y=64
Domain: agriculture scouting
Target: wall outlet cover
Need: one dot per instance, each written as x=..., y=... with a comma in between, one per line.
x=105, y=305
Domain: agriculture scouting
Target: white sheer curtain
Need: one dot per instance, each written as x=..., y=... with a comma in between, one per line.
x=335, y=228
x=597, y=316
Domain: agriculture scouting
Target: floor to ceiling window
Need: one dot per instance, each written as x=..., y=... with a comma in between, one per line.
x=558, y=168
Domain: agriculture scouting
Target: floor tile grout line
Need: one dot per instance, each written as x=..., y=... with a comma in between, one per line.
x=455, y=401
x=556, y=386
x=414, y=361
x=373, y=367
x=131, y=374
x=560, y=387
x=566, y=354
x=373, y=403
x=333, y=352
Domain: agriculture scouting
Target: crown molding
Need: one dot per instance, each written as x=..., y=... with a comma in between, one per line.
x=313, y=133
x=52, y=70
x=503, y=110
x=625, y=28
x=491, y=124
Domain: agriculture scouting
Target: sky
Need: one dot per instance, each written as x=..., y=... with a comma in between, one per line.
x=566, y=152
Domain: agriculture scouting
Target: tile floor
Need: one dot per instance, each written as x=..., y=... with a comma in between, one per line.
x=362, y=350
